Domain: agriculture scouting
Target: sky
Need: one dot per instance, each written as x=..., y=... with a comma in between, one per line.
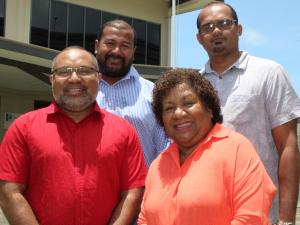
x=271, y=29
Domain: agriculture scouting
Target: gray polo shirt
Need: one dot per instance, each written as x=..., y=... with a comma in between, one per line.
x=256, y=96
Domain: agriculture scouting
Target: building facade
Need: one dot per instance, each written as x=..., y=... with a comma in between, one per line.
x=32, y=32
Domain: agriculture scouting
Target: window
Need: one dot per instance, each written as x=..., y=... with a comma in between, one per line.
x=2, y=17
x=76, y=25
x=92, y=26
x=153, y=44
x=140, y=52
x=58, y=24
x=40, y=22
x=106, y=16
x=125, y=18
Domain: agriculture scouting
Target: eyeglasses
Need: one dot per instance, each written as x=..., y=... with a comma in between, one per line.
x=81, y=71
x=220, y=24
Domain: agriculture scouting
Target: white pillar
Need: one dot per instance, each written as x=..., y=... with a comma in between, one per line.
x=173, y=34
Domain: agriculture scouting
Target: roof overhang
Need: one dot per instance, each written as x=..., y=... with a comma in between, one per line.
x=26, y=67
x=184, y=6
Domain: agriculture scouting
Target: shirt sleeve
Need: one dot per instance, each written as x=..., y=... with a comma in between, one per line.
x=14, y=163
x=133, y=167
x=253, y=190
x=282, y=102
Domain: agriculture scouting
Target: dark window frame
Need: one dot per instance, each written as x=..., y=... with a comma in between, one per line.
x=2, y=32
x=140, y=27
x=91, y=33
x=37, y=31
x=58, y=32
x=70, y=25
x=149, y=50
x=144, y=53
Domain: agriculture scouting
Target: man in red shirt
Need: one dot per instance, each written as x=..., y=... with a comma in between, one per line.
x=71, y=163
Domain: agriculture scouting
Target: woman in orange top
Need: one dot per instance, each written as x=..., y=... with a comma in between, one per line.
x=209, y=175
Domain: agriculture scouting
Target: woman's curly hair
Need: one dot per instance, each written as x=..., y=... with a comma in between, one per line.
x=201, y=86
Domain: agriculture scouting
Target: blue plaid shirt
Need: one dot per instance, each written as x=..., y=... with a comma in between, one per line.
x=131, y=99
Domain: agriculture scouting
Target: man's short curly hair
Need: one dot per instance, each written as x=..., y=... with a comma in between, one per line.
x=201, y=86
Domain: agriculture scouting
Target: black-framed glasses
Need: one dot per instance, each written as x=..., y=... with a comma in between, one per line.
x=224, y=24
x=81, y=71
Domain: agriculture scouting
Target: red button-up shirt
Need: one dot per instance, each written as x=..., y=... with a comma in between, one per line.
x=74, y=172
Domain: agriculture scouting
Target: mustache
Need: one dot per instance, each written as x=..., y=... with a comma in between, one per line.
x=219, y=38
x=114, y=57
x=73, y=86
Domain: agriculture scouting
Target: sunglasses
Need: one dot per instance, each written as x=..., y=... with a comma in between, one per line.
x=224, y=24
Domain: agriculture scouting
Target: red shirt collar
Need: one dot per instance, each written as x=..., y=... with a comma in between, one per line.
x=54, y=108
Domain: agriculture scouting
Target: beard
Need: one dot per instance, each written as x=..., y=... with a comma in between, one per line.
x=75, y=103
x=218, y=44
x=218, y=49
x=108, y=71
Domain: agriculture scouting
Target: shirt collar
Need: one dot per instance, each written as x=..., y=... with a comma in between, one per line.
x=217, y=132
x=241, y=63
x=132, y=74
x=54, y=108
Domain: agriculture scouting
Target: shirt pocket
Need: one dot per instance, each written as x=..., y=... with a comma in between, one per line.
x=242, y=109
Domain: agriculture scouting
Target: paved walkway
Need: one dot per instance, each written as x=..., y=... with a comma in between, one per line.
x=298, y=212
x=2, y=219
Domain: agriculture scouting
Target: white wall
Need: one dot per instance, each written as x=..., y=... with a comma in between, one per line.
x=18, y=13
x=17, y=20
x=18, y=102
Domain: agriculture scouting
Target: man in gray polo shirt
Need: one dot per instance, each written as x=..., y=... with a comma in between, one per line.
x=257, y=100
